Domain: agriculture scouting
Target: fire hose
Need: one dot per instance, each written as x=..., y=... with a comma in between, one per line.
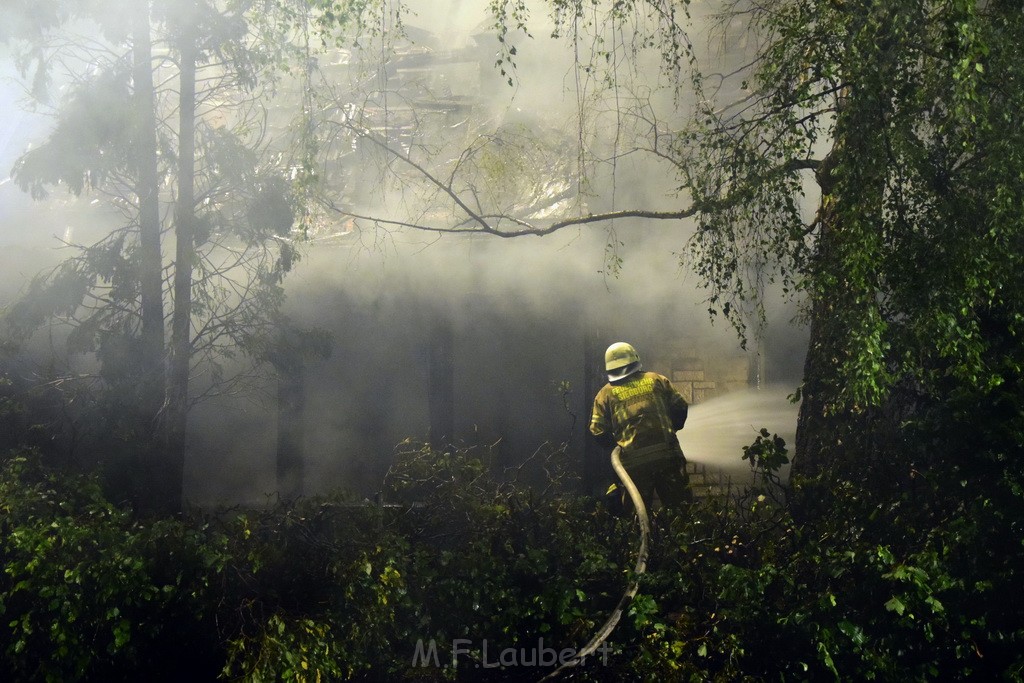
x=634, y=583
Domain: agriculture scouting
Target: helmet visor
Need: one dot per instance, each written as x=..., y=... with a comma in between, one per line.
x=623, y=372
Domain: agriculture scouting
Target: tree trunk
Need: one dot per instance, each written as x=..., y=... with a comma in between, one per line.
x=147, y=191
x=596, y=465
x=811, y=453
x=291, y=416
x=818, y=431
x=181, y=329
x=441, y=383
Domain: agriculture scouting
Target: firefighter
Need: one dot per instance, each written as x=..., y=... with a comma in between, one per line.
x=641, y=412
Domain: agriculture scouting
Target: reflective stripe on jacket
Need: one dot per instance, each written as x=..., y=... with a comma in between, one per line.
x=641, y=414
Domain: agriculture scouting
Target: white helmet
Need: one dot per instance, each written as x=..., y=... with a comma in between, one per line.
x=620, y=361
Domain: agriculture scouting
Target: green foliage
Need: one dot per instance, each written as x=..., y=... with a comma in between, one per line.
x=899, y=564
x=108, y=300
x=342, y=22
x=893, y=584
x=243, y=193
x=47, y=296
x=299, y=650
x=624, y=29
x=906, y=111
x=516, y=169
x=509, y=15
x=88, y=592
x=767, y=453
x=91, y=140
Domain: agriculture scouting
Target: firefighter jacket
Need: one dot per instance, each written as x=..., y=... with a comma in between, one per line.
x=642, y=414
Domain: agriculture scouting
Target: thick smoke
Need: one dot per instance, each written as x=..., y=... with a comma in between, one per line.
x=527, y=320
x=524, y=316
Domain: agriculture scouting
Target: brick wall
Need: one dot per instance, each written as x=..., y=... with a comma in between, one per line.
x=700, y=372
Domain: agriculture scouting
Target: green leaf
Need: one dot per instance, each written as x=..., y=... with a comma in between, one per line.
x=896, y=605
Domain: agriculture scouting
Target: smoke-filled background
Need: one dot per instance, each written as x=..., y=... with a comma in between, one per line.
x=499, y=342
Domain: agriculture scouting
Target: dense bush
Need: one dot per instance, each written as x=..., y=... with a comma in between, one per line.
x=87, y=592
x=894, y=583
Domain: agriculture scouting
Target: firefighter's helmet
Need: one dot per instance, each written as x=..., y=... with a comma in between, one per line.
x=620, y=361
